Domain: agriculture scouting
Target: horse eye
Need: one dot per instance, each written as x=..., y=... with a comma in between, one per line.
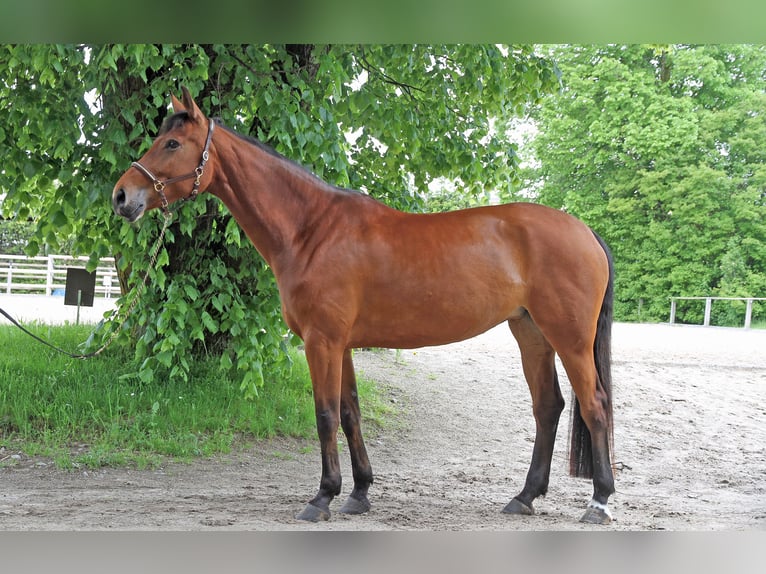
x=172, y=144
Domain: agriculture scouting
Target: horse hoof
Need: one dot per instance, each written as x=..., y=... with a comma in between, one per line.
x=355, y=506
x=313, y=514
x=515, y=506
x=596, y=514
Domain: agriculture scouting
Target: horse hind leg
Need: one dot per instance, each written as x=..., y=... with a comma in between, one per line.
x=538, y=362
x=350, y=420
x=592, y=414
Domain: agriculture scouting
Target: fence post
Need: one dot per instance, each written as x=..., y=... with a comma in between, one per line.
x=49, y=278
x=708, y=307
x=672, y=310
x=108, y=285
x=748, y=313
x=10, y=277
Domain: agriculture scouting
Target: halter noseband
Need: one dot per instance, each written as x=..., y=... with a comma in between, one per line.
x=159, y=185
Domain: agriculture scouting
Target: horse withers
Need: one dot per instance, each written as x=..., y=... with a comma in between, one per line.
x=353, y=273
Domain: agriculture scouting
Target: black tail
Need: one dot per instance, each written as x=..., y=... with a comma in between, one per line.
x=580, y=448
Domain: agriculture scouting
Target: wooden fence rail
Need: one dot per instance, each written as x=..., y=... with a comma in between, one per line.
x=47, y=275
x=709, y=306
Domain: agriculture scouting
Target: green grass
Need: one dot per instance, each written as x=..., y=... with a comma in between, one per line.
x=97, y=412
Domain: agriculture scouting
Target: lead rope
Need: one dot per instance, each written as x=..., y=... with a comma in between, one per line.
x=168, y=215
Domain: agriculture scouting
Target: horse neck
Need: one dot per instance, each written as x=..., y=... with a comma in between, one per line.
x=273, y=200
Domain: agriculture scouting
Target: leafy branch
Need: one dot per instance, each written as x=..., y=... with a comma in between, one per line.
x=377, y=72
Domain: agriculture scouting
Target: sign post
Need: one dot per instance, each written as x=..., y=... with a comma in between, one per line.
x=80, y=288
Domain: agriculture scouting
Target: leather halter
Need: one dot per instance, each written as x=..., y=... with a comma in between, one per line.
x=159, y=185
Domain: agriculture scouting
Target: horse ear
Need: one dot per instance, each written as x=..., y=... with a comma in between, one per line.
x=177, y=105
x=189, y=105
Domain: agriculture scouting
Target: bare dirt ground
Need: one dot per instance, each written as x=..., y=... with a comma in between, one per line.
x=690, y=436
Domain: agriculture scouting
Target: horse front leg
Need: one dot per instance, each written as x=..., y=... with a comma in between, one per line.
x=325, y=365
x=350, y=420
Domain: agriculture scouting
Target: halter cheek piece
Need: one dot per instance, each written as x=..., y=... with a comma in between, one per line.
x=159, y=185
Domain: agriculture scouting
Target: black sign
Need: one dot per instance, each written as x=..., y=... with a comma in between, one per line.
x=82, y=281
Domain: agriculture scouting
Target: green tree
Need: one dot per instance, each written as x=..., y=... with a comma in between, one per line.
x=14, y=236
x=72, y=117
x=660, y=150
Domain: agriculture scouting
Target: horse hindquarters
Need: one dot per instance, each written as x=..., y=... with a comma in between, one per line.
x=573, y=312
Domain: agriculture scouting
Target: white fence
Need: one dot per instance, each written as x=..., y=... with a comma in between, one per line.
x=46, y=275
x=709, y=306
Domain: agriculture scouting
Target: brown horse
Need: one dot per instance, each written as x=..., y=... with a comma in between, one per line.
x=353, y=272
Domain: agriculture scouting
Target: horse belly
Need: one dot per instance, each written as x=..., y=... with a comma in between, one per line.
x=428, y=312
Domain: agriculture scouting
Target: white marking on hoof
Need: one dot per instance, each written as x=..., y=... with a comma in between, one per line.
x=602, y=507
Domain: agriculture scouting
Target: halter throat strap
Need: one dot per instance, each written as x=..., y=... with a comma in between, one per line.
x=159, y=185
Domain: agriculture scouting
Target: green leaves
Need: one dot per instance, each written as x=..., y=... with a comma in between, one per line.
x=428, y=112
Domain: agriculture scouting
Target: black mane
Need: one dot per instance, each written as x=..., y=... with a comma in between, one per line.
x=255, y=141
x=180, y=118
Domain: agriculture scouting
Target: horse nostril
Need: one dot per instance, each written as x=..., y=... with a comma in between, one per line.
x=119, y=198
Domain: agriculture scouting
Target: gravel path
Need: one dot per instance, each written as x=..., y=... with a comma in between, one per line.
x=690, y=438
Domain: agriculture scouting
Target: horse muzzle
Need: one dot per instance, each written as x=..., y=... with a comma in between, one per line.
x=128, y=209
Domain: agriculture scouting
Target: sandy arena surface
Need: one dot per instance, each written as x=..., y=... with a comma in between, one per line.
x=690, y=407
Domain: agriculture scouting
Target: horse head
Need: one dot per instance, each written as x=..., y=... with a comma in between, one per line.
x=181, y=147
